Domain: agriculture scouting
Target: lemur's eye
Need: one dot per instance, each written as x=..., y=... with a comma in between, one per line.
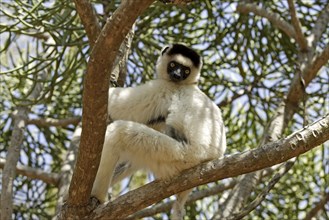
x=187, y=72
x=172, y=64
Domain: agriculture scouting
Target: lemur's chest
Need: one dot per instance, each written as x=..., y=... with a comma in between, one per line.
x=161, y=109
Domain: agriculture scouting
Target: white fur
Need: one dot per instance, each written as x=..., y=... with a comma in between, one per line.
x=186, y=109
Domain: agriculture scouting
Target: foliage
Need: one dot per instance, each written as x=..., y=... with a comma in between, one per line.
x=248, y=68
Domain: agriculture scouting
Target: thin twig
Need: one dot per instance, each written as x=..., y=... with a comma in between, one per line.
x=300, y=38
x=47, y=122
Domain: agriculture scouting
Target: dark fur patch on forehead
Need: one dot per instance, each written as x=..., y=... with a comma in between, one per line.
x=186, y=52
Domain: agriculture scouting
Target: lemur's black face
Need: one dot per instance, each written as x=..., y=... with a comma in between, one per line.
x=177, y=71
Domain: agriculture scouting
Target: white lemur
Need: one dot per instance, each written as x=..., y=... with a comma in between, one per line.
x=165, y=126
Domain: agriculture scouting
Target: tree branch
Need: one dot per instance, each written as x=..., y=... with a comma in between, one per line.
x=16, y=140
x=95, y=97
x=197, y=195
x=32, y=173
x=309, y=71
x=309, y=63
x=230, y=166
x=300, y=38
x=274, y=18
x=9, y=170
x=47, y=122
x=89, y=20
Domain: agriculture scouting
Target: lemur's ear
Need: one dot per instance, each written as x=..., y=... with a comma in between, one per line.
x=164, y=49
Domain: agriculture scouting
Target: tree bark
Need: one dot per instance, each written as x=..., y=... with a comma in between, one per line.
x=9, y=171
